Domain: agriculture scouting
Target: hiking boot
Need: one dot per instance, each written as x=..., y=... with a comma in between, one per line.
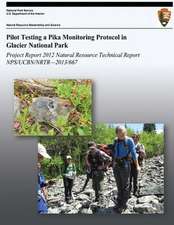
x=117, y=209
x=69, y=201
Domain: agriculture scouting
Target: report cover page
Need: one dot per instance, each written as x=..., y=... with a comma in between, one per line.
x=86, y=112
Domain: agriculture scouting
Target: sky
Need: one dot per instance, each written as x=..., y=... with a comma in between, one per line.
x=138, y=127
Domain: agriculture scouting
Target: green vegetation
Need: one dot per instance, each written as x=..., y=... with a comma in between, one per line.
x=76, y=94
x=77, y=147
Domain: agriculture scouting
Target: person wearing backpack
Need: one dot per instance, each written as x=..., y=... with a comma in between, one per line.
x=140, y=150
x=123, y=150
x=101, y=147
x=97, y=161
x=68, y=178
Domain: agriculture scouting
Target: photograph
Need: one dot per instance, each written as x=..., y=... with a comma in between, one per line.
x=52, y=107
x=119, y=169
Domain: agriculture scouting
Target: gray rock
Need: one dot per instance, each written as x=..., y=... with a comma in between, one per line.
x=73, y=211
x=54, y=210
x=144, y=208
x=147, y=208
x=77, y=205
x=132, y=201
x=152, y=188
x=86, y=211
x=82, y=197
x=149, y=201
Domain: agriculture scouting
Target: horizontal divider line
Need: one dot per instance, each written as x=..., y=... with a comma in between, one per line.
x=90, y=4
x=94, y=28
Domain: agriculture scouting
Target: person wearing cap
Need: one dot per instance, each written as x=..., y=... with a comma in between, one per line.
x=68, y=178
x=42, y=190
x=123, y=150
x=97, y=161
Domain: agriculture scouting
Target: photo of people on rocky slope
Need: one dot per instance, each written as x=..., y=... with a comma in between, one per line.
x=52, y=107
x=119, y=169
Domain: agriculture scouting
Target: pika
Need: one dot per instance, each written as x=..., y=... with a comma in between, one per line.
x=45, y=109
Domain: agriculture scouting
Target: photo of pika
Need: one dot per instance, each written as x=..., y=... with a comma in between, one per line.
x=52, y=107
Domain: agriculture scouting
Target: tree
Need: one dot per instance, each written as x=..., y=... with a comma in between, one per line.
x=149, y=127
x=77, y=147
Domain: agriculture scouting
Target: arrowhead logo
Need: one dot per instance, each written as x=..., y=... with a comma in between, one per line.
x=164, y=16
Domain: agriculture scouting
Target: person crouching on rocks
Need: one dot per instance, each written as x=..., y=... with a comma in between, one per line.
x=42, y=194
x=98, y=162
x=140, y=150
x=68, y=178
x=123, y=150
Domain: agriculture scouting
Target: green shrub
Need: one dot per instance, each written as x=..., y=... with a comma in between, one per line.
x=52, y=167
x=102, y=134
x=77, y=122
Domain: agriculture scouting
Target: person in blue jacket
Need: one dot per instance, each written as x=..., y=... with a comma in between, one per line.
x=42, y=194
x=123, y=151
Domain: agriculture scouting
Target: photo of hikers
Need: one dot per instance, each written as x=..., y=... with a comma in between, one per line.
x=52, y=107
x=119, y=169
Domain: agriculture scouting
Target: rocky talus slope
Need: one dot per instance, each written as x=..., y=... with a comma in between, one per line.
x=149, y=201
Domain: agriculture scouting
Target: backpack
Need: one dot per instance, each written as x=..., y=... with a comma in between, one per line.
x=140, y=150
x=104, y=148
x=95, y=159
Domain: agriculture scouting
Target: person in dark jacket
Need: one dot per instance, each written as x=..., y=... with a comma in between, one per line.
x=97, y=161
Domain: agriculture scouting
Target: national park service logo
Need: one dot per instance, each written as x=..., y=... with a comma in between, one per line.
x=164, y=16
